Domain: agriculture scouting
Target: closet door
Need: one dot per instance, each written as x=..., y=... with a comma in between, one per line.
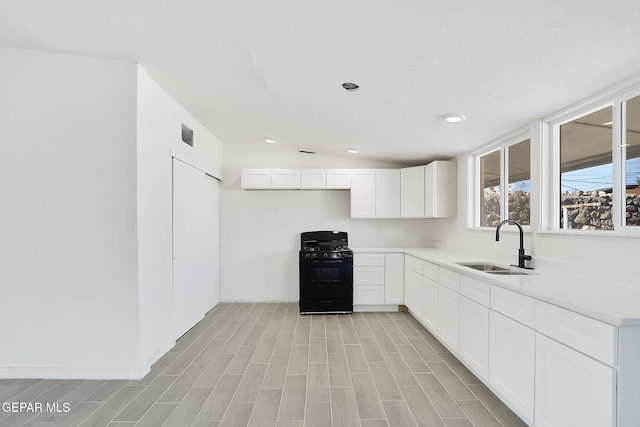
x=196, y=259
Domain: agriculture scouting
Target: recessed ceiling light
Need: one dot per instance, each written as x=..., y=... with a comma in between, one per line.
x=270, y=141
x=350, y=86
x=453, y=118
x=352, y=151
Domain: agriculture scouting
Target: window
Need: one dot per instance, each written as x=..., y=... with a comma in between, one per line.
x=508, y=166
x=586, y=172
x=631, y=160
x=598, y=168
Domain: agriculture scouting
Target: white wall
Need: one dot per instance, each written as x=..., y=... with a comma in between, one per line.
x=159, y=137
x=260, y=229
x=69, y=305
x=609, y=259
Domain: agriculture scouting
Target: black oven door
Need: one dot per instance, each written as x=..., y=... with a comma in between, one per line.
x=326, y=279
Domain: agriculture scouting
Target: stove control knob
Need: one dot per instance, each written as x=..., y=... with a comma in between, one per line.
x=326, y=255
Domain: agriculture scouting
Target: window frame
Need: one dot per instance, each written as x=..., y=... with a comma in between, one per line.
x=501, y=145
x=550, y=175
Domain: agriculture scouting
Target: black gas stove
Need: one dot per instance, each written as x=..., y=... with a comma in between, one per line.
x=326, y=272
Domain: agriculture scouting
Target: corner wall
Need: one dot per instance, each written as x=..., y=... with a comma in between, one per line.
x=158, y=139
x=69, y=305
x=260, y=229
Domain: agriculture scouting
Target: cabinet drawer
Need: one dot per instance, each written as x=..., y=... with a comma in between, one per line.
x=372, y=260
x=587, y=335
x=369, y=276
x=368, y=294
x=514, y=305
x=450, y=279
x=430, y=271
x=475, y=290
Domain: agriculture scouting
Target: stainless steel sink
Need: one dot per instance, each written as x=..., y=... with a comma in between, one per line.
x=491, y=268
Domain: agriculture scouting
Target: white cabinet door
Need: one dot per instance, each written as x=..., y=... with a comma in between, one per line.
x=430, y=304
x=313, y=179
x=394, y=278
x=412, y=192
x=413, y=292
x=449, y=317
x=339, y=179
x=285, y=179
x=363, y=193
x=255, y=179
x=474, y=336
x=440, y=189
x=572, y=390
x=388, y=193
x=512, y=363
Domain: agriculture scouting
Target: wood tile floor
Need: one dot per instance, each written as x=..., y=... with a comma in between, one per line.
x=266, y=365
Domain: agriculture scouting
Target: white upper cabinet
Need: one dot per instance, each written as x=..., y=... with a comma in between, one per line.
x=417, y=192
x=332, y=179
x=429, y=191
x=339, y=179
x=266, y=179
x=313, y=178
x=363, y=193
x=256, y=179
x=440, y=189
x=285, y=179
x=387, y=193
x=375, y=193
x=412, y=192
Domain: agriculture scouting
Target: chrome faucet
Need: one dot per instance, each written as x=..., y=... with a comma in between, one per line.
x=521, y=256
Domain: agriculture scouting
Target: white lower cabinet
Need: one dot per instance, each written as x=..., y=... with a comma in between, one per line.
x=378, y=278
x=430, y=304
x=394, y=278
x=572, y=390
x=474, y=336
x=512, y=363
x=413, y=290
x=449, y=317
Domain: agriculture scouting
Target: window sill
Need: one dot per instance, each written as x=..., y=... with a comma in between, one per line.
x=592, y=233
x=514, y=230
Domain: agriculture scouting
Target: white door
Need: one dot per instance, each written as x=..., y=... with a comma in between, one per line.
x=449, y=317
x=430, y=304
x=474, y=336
x=512, y=349
x=572, y=390
x=363, y=193
x=196, y=257
x=387, y=190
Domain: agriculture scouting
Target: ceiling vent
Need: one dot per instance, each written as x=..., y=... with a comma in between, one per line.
x=187, y=135
x=350, y=87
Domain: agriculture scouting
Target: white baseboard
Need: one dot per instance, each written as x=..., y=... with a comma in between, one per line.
x=359, y=308
x=74, y=373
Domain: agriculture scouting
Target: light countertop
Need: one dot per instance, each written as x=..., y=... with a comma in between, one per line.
x=607, y=302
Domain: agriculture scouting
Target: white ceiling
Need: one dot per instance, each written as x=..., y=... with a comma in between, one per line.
x=249, y=69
